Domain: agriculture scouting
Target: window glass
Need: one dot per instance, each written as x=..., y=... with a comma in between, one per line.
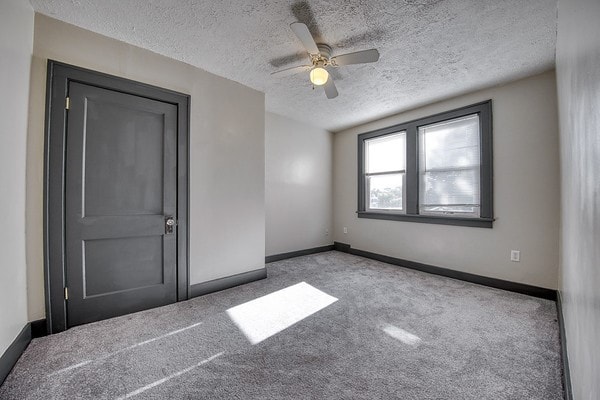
x=385, y=164
x=449, y=166
x=385, y=191
x=386, y=153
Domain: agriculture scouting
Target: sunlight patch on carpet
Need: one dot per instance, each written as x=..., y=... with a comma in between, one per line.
x=133, y=346
x=402, y=335
x=266, y=316
x=168, y=378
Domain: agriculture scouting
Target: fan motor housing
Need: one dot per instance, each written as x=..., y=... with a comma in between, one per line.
x=324, y=50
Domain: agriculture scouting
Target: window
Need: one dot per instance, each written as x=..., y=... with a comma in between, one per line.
x=449, y=167
x=384, y=172
x=436, y=169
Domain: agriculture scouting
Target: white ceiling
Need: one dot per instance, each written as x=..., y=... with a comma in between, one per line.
x=430, y=49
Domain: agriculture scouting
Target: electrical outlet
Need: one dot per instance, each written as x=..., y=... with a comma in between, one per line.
x=345, y=230
x=326, y=232
x=515, y=255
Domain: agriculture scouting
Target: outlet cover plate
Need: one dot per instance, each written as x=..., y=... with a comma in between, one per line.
x=515, y=255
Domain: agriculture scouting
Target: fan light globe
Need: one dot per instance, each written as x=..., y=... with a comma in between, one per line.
x=319, y=76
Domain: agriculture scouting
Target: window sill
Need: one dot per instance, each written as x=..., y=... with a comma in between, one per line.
x=428, y=219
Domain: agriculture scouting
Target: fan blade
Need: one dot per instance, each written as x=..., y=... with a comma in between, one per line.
x=360, y=57
x=305, y=37
x=330, y=89
x=292, y=70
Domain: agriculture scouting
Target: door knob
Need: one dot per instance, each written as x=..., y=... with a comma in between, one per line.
x=169, y=225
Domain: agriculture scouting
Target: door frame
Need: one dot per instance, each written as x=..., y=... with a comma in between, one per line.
x=57, y=86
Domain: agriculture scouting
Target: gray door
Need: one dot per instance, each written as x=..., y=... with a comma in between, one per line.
x=121, y=189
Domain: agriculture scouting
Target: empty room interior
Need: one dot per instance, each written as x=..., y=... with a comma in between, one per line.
x=303, y=199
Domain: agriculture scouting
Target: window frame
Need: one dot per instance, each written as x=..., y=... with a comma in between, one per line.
x=411, y=186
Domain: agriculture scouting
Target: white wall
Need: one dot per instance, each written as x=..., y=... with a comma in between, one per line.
x=526, y=192
x=16, y=44
x=227, y=161
x=578, y=76
x=298, y=188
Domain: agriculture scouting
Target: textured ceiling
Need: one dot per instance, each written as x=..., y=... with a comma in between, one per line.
x=430, y=49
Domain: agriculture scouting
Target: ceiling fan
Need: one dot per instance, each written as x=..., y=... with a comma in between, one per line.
x=320, y=59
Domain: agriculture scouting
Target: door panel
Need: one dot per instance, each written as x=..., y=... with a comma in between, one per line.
x=126, y=152
x=116, y=265
x=121, y=183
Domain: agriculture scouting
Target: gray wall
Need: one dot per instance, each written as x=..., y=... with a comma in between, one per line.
x=298, y=188
x=16, y=44
x=227, y=159
x=578, y=76
x=526, y=192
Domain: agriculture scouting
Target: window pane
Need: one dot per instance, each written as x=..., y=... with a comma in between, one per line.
x=450, y=144
x=385, y=153
x=385, y=191
x=449, y=166
x=456, y=191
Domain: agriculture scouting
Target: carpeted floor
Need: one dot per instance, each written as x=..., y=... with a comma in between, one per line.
x=393, y=333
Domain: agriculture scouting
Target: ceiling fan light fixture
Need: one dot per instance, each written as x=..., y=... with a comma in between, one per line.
x=319, y=76
x=320, y=57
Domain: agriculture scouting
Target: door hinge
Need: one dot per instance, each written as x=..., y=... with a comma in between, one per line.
x=67, y=103
x=66, y=293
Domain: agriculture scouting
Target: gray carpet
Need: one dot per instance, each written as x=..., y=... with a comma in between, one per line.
x=393, y=333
